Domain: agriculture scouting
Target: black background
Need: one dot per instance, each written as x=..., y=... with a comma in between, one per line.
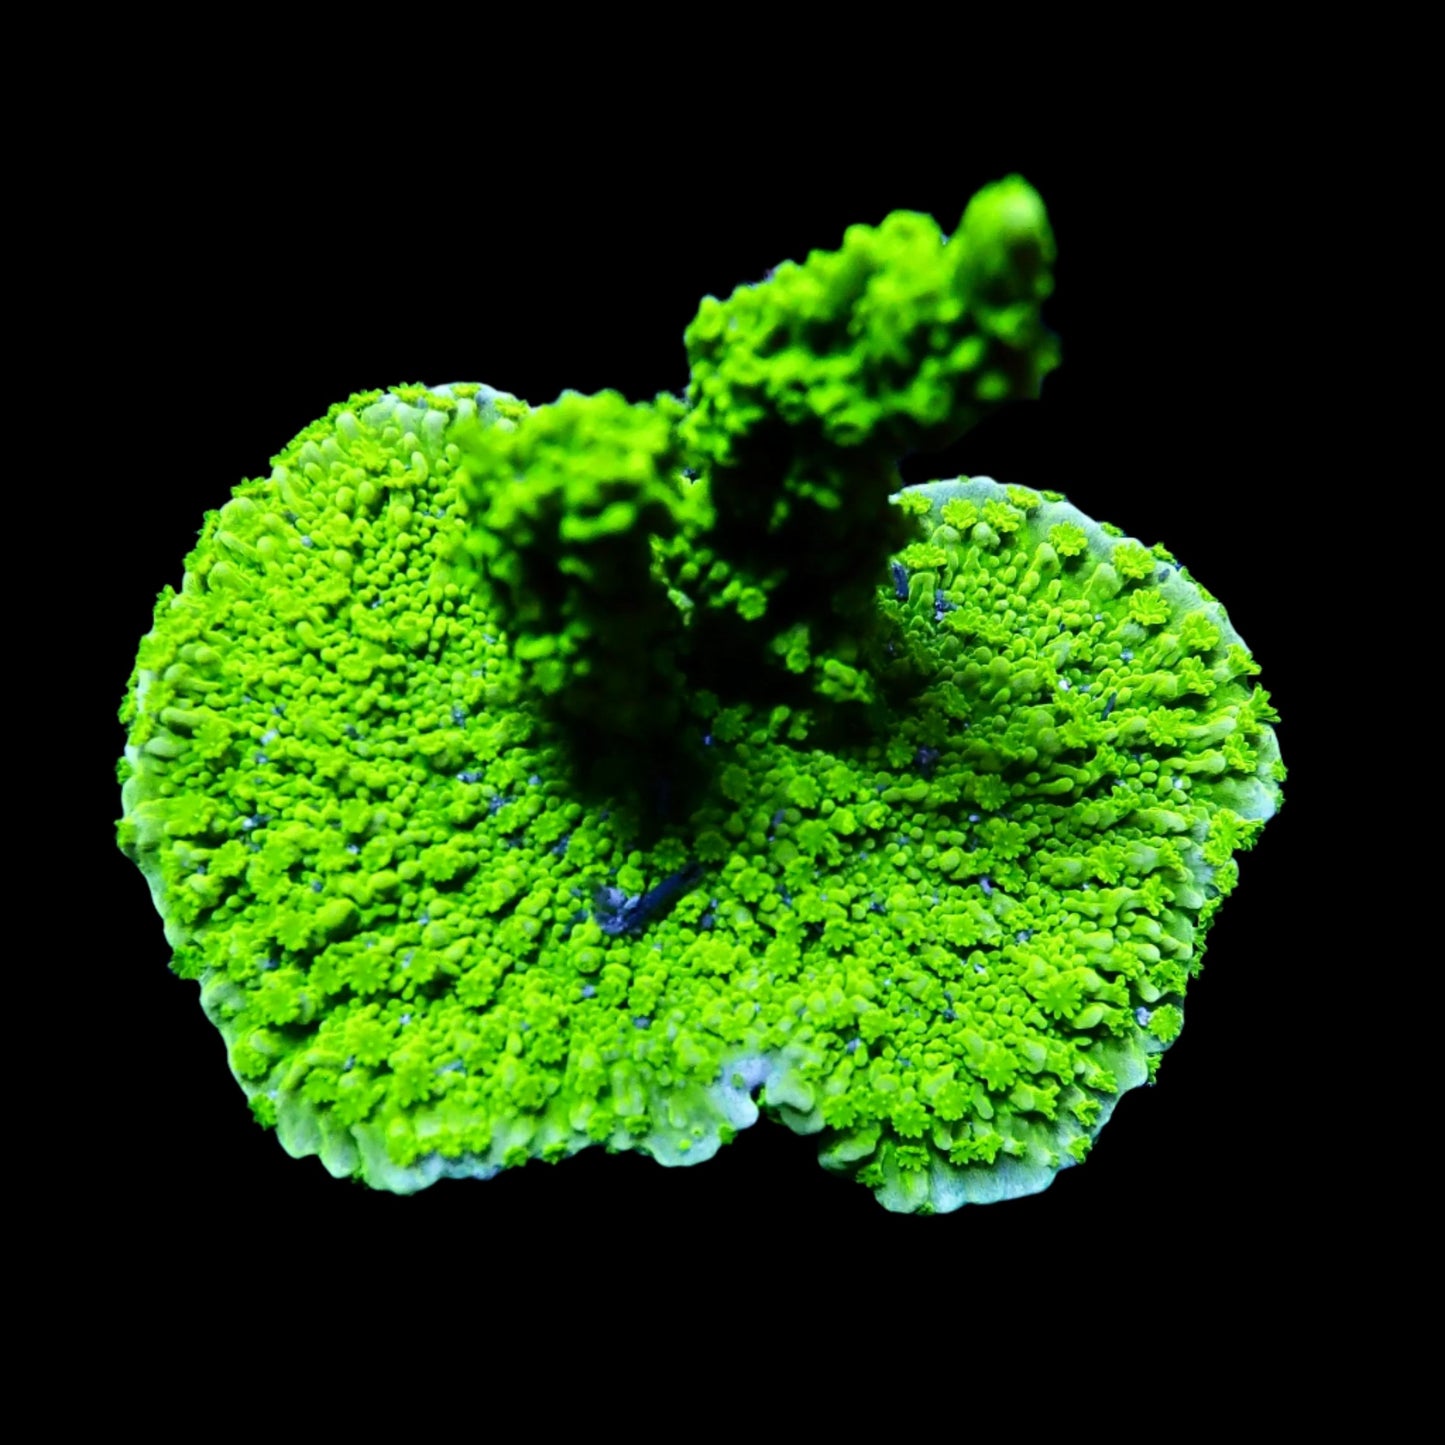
x=282, y=279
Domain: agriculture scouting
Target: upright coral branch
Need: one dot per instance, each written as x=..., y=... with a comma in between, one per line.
x=566, y=507
x=808, y=388
x=805, y=392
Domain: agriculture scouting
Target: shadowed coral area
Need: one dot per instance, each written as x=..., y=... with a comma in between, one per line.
x=517, y=779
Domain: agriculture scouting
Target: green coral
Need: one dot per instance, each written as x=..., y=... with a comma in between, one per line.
x=946, y=942
x=808, y=387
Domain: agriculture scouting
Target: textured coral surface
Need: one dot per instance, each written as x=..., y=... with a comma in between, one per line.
x=946, y=946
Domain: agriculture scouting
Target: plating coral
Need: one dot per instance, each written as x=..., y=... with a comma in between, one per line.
x=937, y=791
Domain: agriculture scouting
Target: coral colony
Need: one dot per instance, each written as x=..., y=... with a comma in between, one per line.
x=517, y=779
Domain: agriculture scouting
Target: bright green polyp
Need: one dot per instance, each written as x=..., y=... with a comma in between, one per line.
x=946, y=950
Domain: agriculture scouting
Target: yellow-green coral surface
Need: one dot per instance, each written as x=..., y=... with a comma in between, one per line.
x=514, y=779
x=946, y=949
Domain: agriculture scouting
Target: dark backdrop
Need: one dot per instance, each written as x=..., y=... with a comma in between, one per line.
x=242, y=304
